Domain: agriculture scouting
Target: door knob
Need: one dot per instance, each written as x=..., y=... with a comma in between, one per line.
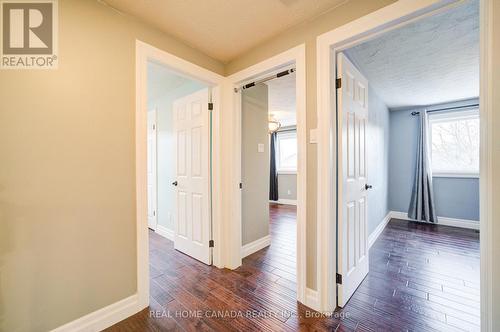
x=368, y=186
x=175, y=183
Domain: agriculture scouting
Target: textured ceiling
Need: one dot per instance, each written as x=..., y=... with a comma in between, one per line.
x=430, y=61
x=224, y=29
x=281, y=100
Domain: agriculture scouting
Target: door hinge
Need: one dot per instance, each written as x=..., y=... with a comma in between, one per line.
x=338, y=83
x=210, y=106
x=154, y=213
x=338, y=278
x=241, y=185
x=154, y=127
x=211, y=243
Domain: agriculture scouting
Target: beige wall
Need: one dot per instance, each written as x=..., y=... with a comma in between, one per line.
x=67, y=171
x=495, y=199
x=287, y=186
x=254, y=164
x=307, y=33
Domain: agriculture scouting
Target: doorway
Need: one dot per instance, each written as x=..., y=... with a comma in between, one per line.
x=273, y=69
x=430, y=126
x=269, y=175
x=396, y=221
x=181, y=147
x=179, y=161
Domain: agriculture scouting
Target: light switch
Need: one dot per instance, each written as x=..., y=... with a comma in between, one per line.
x=260, y=147
x=313, y=136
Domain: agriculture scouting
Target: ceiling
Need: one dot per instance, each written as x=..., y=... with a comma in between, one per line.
x=281, y=100
x=431, y=61
x=162, y=80
x=224, y=29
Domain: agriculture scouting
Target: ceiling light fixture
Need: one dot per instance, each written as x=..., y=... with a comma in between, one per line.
x=274, y=125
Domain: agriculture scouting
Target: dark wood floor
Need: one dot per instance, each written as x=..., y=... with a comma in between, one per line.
x=422, y=278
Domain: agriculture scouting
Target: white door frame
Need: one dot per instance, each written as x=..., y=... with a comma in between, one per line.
x=292, y=56
x=145, y=53
x=328, y=44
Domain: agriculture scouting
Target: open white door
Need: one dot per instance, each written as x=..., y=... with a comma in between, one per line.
x=152, y=180
x=352, y=103
x=192, y=134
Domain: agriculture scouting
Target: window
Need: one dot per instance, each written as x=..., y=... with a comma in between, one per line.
x=454, y=143
x=286, y=152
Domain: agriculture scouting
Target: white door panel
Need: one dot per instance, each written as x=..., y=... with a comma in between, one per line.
x=352, y=106
x=192, y=132
x=152, y=174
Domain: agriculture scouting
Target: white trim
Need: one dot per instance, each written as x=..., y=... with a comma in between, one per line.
x=380, y=228
x=486, y=106
x=286, y=172
x=312, y=299
x=145, y=53
x=255, y=246
x=104, y=317
x=455, y=175
x=285, y=201
x=165, y=232
x=444, y=221
x=232, y=119
x=390, y=17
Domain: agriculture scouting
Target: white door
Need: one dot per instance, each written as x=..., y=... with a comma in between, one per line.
x=352, y=103
x=152, y=183
x=192, y=134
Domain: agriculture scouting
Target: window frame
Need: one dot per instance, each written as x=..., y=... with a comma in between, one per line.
x=445, y=116
x=280, y=135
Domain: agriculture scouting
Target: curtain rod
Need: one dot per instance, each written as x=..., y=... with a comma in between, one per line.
x=447, y=109
x=262, y=80
x=285, y=129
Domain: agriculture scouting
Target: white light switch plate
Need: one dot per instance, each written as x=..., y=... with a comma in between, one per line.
x=260, y=147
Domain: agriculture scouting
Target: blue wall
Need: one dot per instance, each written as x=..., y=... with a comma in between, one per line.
x=377, y=141
x=454, y=197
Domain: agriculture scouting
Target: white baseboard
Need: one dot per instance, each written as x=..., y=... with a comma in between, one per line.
x=462, y=223
x=104, y=317
x=285, y=201
x=312, y=299
x=380, y=228
x=165, y=232
x=255, y=246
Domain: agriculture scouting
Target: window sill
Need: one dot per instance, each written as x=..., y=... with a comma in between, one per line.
x=287, y=172
x=452, y=175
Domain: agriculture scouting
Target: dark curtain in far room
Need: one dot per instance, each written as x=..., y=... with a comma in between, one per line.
x=422, y=198
x=273, y=175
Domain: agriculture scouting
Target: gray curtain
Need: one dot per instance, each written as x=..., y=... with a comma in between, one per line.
x=422, y=198
x=273, y=175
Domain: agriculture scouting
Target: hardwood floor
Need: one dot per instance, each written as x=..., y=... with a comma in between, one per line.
x=422, y=278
